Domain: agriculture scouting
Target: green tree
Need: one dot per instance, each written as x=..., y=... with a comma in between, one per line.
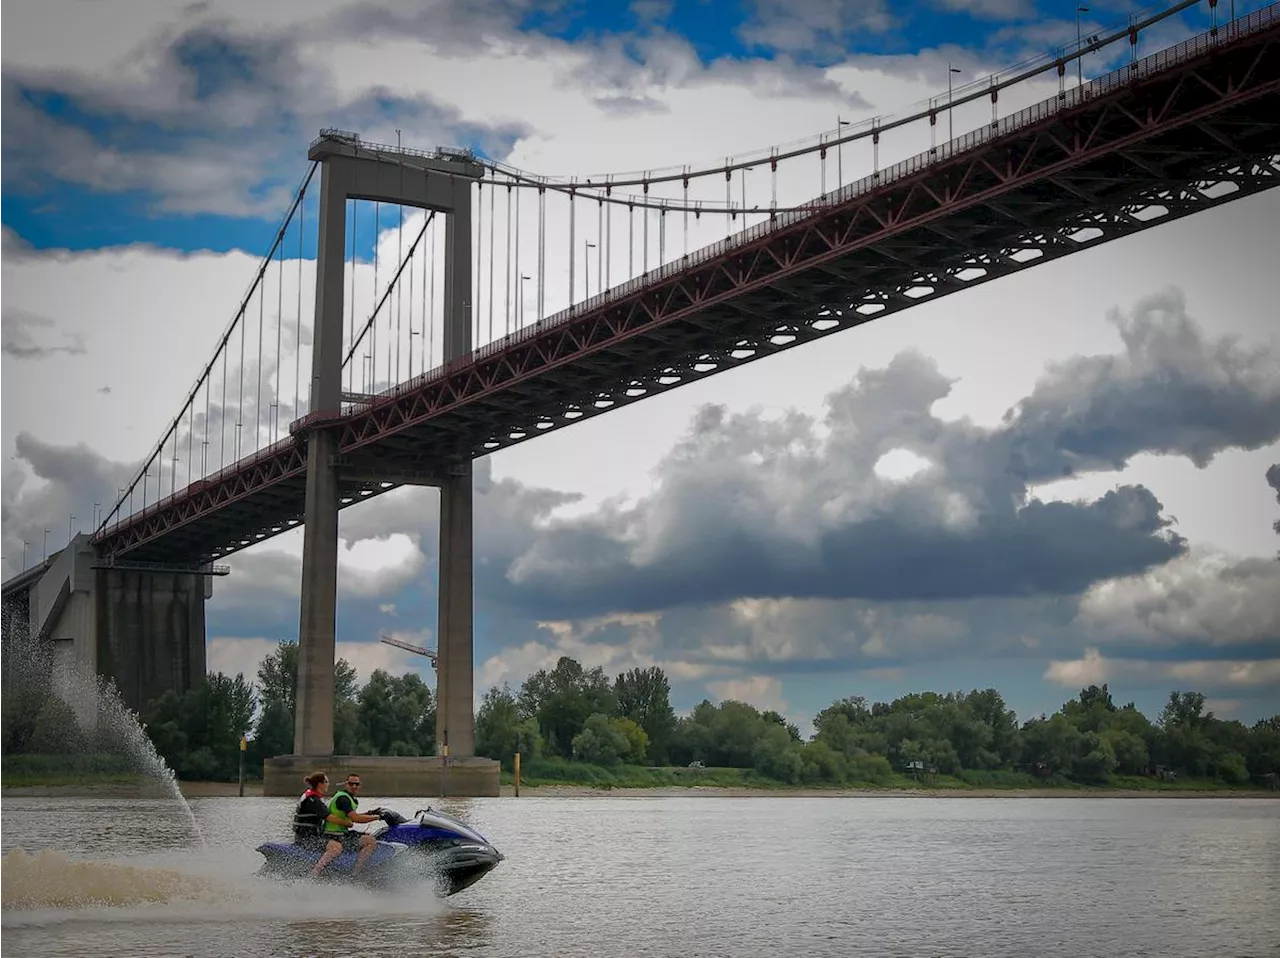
x=778, y=755
x=198, y=733
x=644, y=697
x=396, y=715
x=277, y=691
x=1186, y=726
x=603, y=741
x=501, y=730
x=561, y=701
x=1263, y=753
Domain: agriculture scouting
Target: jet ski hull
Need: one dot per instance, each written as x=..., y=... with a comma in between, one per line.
x=460, y=866
x=433, y=846
x=286, y=860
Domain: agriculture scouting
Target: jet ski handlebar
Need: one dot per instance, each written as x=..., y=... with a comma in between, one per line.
x=389, y=815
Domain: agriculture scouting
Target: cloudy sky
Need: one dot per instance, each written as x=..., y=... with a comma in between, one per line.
x=1054, y=479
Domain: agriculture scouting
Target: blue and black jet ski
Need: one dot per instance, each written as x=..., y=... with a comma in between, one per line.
x=431, y=845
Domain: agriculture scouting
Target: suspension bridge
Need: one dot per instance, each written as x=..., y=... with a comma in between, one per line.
x=462, y=305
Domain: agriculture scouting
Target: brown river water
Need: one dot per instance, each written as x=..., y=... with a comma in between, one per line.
x=667, y=876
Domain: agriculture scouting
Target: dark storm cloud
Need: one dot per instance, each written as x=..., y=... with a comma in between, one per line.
x=1169, y=392
x=749, y=507
x=74, y=477
x=1273, y=480
x=792, y=507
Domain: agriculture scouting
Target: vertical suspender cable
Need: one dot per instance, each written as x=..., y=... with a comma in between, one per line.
x=493, y=190
x=506, y=264
x=275, y=431
x=204, y=442
x=257, y=403
x=518, y=319
x=351, y=328
x=399, y=290
x=542, y=248
x=297, y=329
x=644, y=214
x=240, y=410
x=431, y=341
x=412, y=253
x=222, y=414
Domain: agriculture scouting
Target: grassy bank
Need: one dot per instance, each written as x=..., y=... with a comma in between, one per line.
x=558, y=775
x=24, y=771
x=39, y=775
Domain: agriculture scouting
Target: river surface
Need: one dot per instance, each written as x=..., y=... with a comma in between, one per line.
x=662, y=876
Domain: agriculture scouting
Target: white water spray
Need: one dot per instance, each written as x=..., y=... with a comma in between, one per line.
x=104, y=722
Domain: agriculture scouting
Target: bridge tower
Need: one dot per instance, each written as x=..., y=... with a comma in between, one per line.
x=441, y=182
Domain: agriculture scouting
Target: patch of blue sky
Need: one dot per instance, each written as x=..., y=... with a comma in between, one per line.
x=714, y=28
x=59, y=215
x=76, y=218
x=54, y=214
x=70, y=217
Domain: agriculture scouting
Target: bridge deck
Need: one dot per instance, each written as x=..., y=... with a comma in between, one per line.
x=1185, y=129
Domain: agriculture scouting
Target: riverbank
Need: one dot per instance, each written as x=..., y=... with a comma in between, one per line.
x=581, y=791
x=254, y=790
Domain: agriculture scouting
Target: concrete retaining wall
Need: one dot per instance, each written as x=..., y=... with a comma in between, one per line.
x=386, y=776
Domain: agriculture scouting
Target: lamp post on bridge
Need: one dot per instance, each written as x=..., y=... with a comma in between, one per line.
x=1079, y=43
x=46, y=546
x=840, y=153
x=951, y=123
x=587, y=245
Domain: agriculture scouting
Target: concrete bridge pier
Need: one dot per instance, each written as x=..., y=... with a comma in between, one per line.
x=442, y=184
x=455, y=655
x=72, y=617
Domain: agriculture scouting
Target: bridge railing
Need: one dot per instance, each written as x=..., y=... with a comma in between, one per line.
x=229, y=471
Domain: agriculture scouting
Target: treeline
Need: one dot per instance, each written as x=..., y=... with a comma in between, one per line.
x=570, y=714
x=198, y=733
x=577, y=714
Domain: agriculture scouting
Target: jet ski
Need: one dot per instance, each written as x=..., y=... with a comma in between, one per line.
x=431, y=845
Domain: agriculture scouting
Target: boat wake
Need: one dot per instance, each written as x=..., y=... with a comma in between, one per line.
x=51, y=887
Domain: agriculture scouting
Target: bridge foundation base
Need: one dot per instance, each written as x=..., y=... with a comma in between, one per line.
x=386, y=776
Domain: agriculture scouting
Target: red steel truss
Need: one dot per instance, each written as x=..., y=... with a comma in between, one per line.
x=1186, y=129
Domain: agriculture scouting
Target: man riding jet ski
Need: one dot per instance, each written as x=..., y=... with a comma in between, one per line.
x=432, y=845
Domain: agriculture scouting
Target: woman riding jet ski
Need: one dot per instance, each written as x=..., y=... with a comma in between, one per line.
x=331, y=822
x=432, y=845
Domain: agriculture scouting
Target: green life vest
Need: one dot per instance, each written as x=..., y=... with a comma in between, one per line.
x=334, y=829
